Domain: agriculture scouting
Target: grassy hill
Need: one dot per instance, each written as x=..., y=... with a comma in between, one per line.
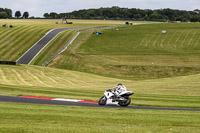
x=25, y=33
x=58, y=83
x=132, y=52
x=169, y=63
x=136, y=52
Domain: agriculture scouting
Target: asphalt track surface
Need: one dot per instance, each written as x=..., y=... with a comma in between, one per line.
x=52, y=102
x=29, y=55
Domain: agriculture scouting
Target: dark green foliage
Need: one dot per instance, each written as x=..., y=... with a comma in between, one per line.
x=46, y=15
x=17, y=14
x=53, y=15
x=132, y=14
x=25, y=15
x=3, y=15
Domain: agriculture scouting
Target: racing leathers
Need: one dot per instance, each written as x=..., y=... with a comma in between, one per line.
x=118, y=90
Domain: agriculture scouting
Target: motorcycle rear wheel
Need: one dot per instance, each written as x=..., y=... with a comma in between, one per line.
x=102, y=101
x=125, y=102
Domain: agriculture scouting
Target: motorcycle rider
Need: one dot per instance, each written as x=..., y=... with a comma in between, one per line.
x=118, y=89
x=117, y=95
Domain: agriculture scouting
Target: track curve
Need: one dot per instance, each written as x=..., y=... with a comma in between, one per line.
x=52, y=102
x=31, y=53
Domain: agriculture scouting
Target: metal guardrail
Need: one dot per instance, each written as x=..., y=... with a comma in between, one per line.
x=70, y=41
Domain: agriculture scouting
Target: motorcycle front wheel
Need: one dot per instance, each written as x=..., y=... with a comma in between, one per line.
x=125, y=102
x=102, y=100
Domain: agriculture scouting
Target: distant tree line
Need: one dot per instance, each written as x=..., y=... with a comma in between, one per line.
x=19, y=15
x=118, y=13
x=5, y=13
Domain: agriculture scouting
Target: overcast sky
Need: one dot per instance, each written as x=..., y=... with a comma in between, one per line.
x=38, y=7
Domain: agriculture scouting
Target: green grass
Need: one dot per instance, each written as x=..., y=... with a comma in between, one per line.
x=50, y=82
x=25, y=118
x=146, y=40
x=16, y=41
x=169, y=64
x=136, y=52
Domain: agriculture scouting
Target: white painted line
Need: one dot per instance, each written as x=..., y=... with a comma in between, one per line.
x=68, y=100
x=43, y=48
x=70, y=41
x=49, y=42
x=60, y=51
x=35, y=44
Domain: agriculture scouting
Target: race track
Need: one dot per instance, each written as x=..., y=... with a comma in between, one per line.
x=29, y=55
x=67, y=103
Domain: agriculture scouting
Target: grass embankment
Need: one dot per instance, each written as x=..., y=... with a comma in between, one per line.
x=16, y=41
x=25, y=118
x=50, y=82
x=136, y=52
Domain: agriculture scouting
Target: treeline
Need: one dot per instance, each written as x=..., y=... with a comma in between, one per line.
x=118, y=13
x=5, y=13
x=19, y=15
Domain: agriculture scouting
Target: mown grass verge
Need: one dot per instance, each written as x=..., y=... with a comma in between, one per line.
x=21, y=118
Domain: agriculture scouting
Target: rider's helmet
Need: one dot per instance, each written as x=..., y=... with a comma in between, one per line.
x=120, y=84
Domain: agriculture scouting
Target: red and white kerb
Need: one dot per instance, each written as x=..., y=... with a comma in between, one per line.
x=61, y=99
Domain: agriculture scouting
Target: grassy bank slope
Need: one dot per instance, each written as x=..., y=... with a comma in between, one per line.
x=31, y=80
x=17, y=40
x=136, y=52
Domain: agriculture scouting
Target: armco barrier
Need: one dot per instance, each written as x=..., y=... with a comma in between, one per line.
x=7, y=63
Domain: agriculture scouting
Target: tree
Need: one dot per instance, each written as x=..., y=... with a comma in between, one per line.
x=6, y=13
x=3, y=15
x=46, y=15
x=53, y=15
x=197, y=11
x=130, y=13
x=9, y=12
x=17, y=14
x=25, y=15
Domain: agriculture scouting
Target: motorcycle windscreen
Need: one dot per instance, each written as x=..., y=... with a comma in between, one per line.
x=128, y=93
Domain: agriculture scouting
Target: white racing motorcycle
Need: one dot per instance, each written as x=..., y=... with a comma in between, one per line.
x=122, y=99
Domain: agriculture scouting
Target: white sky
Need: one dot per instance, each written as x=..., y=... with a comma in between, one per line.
x=38, y=7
